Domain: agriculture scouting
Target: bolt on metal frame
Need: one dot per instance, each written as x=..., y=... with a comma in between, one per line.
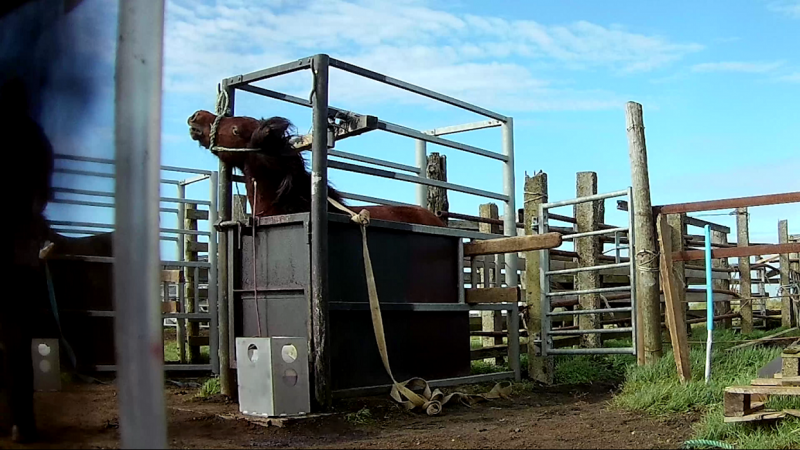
x=93, y=228
x=321, y=110
x=547, y=347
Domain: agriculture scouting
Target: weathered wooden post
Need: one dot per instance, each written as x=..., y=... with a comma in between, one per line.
x=491, y=320
x=540, y=368
x=721, y=308
x=437, y=197
x=191, y=296
x=745, y=286
x=677, y=226
x=240, y=208
x=644, y=245
x=786, y=299
x=588, y=216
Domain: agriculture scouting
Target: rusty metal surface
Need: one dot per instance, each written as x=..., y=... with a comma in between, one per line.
x=751, y=250
x=729, y=203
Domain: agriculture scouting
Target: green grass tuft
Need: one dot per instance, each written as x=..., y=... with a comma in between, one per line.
x=362, y=417
x=210, y=388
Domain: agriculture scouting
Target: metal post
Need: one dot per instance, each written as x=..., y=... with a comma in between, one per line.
x=422, y=163
x=638, y=337
x=510, y=213
x=181, y=323
x=138, y=324
x=319, y=232
x=213, y=331
x=227, y=381
x=709, y=303
x=544, y=285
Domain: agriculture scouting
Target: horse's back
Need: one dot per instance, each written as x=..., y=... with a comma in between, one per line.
x=406, y=214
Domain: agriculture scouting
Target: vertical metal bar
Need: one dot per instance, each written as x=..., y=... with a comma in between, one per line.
x=510, y=213
x=224, y=305
x=544, y=284
x=138, y=329
x=616, y=245
x=461, y=298
x=422, y=163
x=637, y=343
x=319, y=231
x=180, y=335
x=513, y=342
x=709, y=303
x=213, y=331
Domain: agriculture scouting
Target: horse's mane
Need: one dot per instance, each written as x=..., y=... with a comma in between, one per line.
x=277, y=157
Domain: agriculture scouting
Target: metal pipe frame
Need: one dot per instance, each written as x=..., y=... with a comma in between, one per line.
x=414, y=179
x=137, y=279
x=637, y=348
x=593, y=331
x=491, y=123
x=112, y=162
x=590, y=291
x=377, y=162
x=588, y=198
x=593, y=351
x=369, y=199
x=569, y=237
x=421, y=156
x=588, y=269
x=579, y=312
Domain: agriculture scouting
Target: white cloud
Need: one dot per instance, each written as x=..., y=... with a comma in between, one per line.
x=791, y=78
x=789, y=8
x=457, y=54
x=738, y=66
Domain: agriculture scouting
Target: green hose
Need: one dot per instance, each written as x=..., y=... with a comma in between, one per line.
x=695, y=443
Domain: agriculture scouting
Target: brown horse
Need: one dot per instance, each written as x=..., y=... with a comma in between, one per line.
x=283, y=184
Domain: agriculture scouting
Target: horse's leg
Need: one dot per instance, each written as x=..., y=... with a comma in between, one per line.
x=15, y=332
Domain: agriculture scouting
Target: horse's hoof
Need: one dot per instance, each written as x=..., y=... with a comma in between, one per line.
x=21, y=436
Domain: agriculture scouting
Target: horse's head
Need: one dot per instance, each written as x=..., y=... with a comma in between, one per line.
x=232, y=132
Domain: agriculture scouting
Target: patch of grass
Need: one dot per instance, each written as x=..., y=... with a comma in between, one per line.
x=171, y=352
x=361, y=417
x=655, y=389
x=210, y=388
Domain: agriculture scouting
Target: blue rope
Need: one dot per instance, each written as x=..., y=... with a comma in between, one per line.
x=54, y=306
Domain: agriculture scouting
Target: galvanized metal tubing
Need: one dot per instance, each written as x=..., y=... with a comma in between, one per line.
x=138, y=329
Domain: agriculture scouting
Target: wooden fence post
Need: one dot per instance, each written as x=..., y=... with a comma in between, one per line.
x=491, y=320
x=437, y=197
x=239, y=208
x=745, y=286
x=721, y=308
x=540, y=369
x=786, y=300
x=588, y=216
x=191, y=296
x=644, y=245
x=677, y=226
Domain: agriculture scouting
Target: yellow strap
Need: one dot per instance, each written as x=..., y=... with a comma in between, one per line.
x=430, y=402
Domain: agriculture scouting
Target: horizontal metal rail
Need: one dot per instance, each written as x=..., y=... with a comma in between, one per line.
x=91, y=173
x=588, y=268
x=581, y=312
x=592, y=351
x=491, y=123
x=580, y=200
x=189, y=316
x=195, y=179
x=96, y=232
x=377, y=162
x=69, y=201
x=567, y=237
x=283, y=69
x=366, y=73
x=111, y=162
x=414, y=179
x=368, y=199
x=590, y=331
x=93, y=193
x=590, y=291
x=110, y=260
x=111, y=226
x=382, y=125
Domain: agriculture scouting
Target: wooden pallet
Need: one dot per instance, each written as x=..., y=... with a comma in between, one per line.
x=746, y=403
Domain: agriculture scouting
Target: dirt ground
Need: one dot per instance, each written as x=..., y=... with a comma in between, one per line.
x=85, y=416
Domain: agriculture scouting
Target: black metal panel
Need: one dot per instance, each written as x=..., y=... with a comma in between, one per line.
x=430, y=345
x=409, y=267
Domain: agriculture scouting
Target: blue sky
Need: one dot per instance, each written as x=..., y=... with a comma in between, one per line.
x=719, y=83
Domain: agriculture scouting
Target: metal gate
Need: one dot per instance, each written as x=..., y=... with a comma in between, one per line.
x=547, y=295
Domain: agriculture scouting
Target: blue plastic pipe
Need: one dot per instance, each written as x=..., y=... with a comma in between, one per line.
x=709, y=304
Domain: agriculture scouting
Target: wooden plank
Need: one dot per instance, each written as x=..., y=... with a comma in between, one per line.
x=763, y=415
x=674, y=309
x=738, y=404
x=197, y=214
x=720, y=239
x=766, y=390
x=491, y=320
x=694, y=221
x=196, y=247
x=781, y=381
x=513, y=244
x=677, y=228
x=169, y=307
x=492, y=295
x=786, y=300
x=746, y=288
x=729, y=203
x=752, y=250
x=170, y=276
